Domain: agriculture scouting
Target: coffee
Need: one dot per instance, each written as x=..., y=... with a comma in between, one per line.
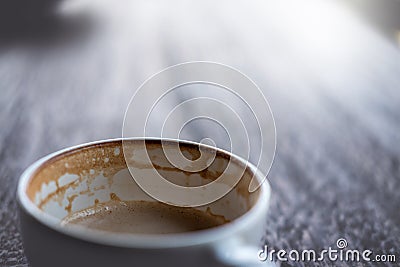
x=143, y=217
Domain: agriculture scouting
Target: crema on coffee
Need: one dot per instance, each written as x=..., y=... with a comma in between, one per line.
x=143, y=217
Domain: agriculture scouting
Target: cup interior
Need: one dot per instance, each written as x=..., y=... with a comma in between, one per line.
x=83, y=177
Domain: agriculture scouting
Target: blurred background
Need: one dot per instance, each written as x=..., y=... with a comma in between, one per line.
x=329, y=69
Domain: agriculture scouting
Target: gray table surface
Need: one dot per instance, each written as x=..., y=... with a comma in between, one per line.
x=336, y=106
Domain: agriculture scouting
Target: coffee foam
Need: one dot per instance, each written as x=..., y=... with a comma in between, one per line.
x=143, y=217
x=70, y=176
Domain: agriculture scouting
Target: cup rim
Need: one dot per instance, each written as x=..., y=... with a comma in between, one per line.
x=128, y=240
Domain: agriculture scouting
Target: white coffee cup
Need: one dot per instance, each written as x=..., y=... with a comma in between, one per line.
x=75, y=178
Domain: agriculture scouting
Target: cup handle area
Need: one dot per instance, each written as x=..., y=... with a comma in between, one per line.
x=238, y=253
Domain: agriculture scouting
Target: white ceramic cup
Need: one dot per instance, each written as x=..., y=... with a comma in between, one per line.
x=78, y=177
